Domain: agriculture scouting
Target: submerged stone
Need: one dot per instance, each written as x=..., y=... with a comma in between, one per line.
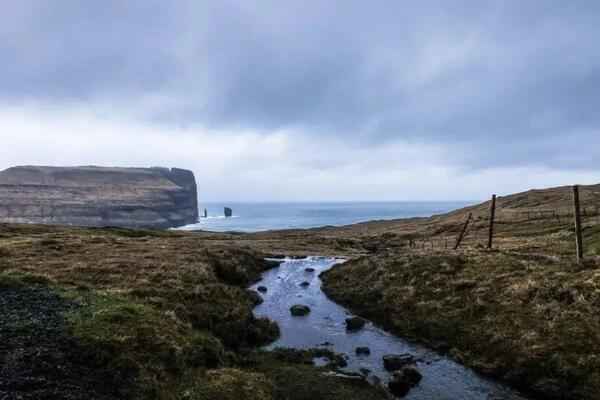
x=363, y=351
x=309, y=269
x=299, y=310
x=304, y=284
x=262, y=289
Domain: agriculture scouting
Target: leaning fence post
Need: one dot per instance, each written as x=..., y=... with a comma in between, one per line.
x=462, y=232
x=492, y=216
x=578, y=237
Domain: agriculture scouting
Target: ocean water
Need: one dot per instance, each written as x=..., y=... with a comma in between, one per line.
x=253, y=217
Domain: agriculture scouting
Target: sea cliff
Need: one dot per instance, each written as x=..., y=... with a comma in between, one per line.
x=98, y=196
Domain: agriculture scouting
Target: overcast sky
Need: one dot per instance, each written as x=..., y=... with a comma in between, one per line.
x=309, y=100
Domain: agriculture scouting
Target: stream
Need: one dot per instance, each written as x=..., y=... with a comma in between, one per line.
x=443, y=379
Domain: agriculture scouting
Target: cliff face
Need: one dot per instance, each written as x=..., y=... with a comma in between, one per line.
x=98, y=196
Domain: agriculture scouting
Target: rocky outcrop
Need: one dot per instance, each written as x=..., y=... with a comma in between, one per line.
x=99, y=196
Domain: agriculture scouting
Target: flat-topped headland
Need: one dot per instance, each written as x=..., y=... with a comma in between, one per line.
x=98, y=196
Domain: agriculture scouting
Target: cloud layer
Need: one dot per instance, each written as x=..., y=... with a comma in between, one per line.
x=356, y=97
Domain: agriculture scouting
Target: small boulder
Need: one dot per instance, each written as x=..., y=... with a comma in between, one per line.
x=403, y=380
x=394, y=362
x=305, y=284
x=309, y=269
x=363, y=351
x=299, y=310
x=262, y=289
x=355, y=323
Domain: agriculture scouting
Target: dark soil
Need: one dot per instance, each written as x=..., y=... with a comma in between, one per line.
x=38, y=357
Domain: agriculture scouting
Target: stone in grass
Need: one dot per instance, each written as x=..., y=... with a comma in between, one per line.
x=299, y=310
x=304, y=284
x=394, y=362
x=262, y=289
x=309, y=269
x=403, y=380
x=363, y=351
x=355, y=323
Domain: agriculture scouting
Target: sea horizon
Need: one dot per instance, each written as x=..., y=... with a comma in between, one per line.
x=256, y=216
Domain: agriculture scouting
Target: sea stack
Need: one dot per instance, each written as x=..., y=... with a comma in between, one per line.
x=99, y=196
x=228, y=212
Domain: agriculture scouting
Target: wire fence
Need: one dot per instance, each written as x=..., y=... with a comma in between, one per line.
x=561, y=226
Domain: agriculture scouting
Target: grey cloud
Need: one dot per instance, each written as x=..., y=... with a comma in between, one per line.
x=497, y=82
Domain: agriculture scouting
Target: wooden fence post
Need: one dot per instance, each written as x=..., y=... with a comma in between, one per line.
x=578, y=237
x=462, y=232
x=492, y=216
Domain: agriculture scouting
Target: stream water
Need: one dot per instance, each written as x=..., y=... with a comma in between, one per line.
x=443, y=379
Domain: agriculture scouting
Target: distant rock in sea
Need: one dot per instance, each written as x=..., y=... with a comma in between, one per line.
x=228, y=212
x=99, y=196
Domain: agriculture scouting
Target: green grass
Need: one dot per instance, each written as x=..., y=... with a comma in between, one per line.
x=155, y=346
